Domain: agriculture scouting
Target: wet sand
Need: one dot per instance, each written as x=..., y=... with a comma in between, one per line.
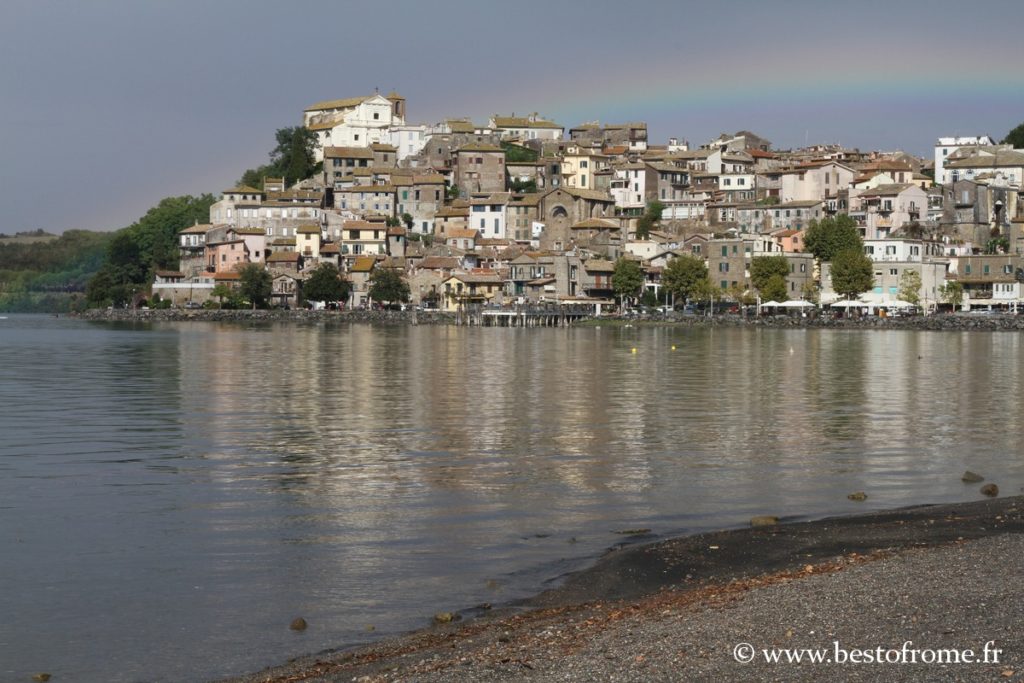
x=944, y=576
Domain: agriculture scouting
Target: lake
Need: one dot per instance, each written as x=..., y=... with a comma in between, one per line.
x=172, y=495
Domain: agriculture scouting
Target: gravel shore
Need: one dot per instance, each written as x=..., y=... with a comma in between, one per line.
x=909, y=585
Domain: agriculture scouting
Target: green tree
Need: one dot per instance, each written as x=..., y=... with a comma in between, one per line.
x=293, y=158
x=408, y=220
x=295, y=155
x=523, y=186
x=764, y=268
x=326, y=283
x=852, y=273
x=388, y=286
x=221, y=291
x=952, y=293
x=627, y=279
x=649, y=220
x=683, y=275
x=255, y=284
x=774, y=288
x=910, y=287
x=1015, y=137
x=811, y=292
x=829, y=236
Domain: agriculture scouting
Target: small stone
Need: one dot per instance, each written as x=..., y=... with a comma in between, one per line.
x=41, y=677
x=298, y=624
x=446, y=617
x=764, y=520
x=990, y=490
x=971, y=477
x=809, y=569
x=858, y=496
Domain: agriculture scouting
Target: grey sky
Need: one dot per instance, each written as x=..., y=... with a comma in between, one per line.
x=109, y=106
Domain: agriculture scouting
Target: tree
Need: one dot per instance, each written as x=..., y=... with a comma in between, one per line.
x=829, y=236
x=326, y=283
x=388, y=286
x=627, y=279
x=852, y=273
x=255, y=284
x=294, y=156
x=221, y=291
x=910, y=287
x=683, y=275
x=811, y=292
x=764, y=268
x=1015, y=137
x=408, y=220
x=952, y=293
x=647, y=222
x=774, y=288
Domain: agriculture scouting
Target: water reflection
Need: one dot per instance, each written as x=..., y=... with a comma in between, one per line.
x=226, y=478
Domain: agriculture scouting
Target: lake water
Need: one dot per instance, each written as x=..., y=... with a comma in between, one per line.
x=173, y=495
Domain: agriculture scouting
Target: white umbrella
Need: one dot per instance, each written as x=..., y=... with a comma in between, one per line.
x=848, y=303
x=898, y=303
x=770, y=304
x=796, y=303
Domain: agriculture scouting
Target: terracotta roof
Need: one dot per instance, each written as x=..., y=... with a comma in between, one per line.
x=284, y=257
x=589, y=194
x=198, y=229
x=382, y=147
x=439, y=263
x=453, y=212
x=887, y=190
x=477, y=278
x=463, y=234
x=330, y=248
x=523, y=122
x=308, y=229
x=480, y=147
x=337, y=104
x=363, y=264
x=248, y=231
x=458, y=126
x=227, y=275
x=595, y=224
x=243, y=189
x=599, y=266
x=348, y=152
x=169, y=273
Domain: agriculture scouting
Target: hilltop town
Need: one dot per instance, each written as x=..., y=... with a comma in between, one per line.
x=518, y=209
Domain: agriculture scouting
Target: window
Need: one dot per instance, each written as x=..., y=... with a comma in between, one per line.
x=376, y=116
x=894, y=271
x=967, y=269
x=725, y=251
x=984, y=269
x=356, y=137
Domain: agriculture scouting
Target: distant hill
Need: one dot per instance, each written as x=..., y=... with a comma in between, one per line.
x=27, y=237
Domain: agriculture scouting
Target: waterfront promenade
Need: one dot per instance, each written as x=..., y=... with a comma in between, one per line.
x=954, y=322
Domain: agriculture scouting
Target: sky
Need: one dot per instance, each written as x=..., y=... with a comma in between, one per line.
x=108, y=106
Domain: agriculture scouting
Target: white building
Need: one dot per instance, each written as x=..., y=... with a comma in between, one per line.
x=409, y=140
x=946, y=146
x=354, y=122
x=487, y=214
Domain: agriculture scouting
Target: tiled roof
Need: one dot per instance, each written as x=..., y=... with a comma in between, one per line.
x=348, y=152
x=363, y=264
x=337, y=104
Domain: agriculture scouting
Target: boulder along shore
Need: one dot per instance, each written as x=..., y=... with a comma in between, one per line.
x=923, y=581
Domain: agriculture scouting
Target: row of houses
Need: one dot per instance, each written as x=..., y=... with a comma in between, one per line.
x=566, y=204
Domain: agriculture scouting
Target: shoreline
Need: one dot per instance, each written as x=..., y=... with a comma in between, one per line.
x=639, y=584
x=958, y=322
